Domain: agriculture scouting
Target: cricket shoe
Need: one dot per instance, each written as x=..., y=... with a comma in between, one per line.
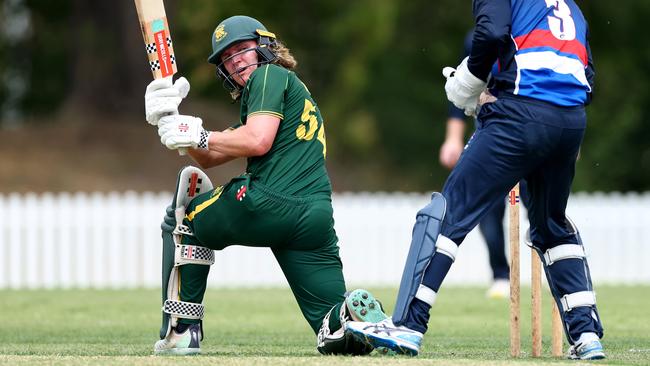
x=363, y=307
x=385, y=334
x=500, y=289
x=590, y=350
x=184, y=343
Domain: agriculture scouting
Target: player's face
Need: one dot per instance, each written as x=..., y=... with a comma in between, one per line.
x=240, y=60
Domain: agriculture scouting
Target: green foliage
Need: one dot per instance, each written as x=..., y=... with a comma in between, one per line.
x=48, y=51
x=616, y=153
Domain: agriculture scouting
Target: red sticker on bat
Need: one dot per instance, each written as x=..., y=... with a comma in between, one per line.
x=193, y=182
x=513, y=198
x=164, y=57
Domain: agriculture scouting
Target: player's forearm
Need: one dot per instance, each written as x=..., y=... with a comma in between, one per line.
x=455, y=129
x=208, y=159
x=242, y=142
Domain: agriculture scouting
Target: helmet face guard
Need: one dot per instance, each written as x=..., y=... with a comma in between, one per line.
x=264, y=56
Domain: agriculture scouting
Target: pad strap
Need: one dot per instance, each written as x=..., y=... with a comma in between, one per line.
x=564, y=251
x=447, y=247
x=193, y=254
x=426, y=294
x=182, y=309
x=577, y=299
x=181, y=229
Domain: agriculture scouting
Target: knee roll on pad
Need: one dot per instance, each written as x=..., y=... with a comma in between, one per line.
x=425, y=243
x=191, y=182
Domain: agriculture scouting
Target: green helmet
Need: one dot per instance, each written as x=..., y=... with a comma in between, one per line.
x=236, y=29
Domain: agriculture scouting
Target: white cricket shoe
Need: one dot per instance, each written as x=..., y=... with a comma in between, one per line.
x=385, y=334
x=588, y=347
x=186, y=343
x=500, y=289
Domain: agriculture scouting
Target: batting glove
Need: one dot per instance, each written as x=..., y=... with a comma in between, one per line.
x=180, y=131
x=162, y=98
x=463, y=88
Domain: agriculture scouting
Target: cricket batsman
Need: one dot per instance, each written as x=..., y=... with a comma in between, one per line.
x=282, y=201
x=532, y=131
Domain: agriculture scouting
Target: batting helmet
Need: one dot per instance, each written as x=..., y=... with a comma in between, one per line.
x=235, y=29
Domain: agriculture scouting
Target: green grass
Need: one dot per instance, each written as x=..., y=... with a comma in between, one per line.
x=265, y=327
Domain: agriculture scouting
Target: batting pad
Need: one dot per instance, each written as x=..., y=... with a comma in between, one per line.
x=191, y=182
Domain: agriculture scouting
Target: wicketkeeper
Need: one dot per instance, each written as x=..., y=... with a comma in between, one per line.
x=282, y=201
x=533, y=130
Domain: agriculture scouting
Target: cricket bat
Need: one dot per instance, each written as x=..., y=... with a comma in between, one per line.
x=157, y=40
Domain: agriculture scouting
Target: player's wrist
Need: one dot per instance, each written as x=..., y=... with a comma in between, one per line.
x=204, y=139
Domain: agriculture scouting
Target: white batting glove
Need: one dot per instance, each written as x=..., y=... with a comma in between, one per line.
x=180, y=131
x=162, y=98
x=463, y=88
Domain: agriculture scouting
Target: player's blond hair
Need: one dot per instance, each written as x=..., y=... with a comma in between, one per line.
x=284, y=59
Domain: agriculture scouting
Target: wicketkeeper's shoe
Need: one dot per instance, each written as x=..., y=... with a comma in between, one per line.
x=385, y=334
x=591, y=350
x=183, y=343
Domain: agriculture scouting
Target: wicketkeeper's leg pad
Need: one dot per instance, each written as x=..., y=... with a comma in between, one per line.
x=191, y=182
x=425, y=244
x=569, y=279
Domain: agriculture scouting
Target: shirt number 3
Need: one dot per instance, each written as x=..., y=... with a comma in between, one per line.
x=309, y=125
x=561, y=23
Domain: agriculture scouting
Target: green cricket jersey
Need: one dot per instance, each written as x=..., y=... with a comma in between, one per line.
x=295, y=165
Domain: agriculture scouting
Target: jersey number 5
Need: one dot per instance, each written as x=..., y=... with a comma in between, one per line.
x=309, y=124
x=561, y=23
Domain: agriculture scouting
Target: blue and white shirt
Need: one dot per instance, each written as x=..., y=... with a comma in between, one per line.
x=540, y=48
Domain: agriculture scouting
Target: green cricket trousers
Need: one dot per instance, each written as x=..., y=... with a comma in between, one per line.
x=298, y=230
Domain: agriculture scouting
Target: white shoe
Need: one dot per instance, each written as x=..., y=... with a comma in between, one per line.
x=500, y=289
x=588, y=347
x=385, y=334
x=592, y=350
x=186, y=343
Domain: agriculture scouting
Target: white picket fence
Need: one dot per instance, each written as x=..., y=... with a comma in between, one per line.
x=112, y=240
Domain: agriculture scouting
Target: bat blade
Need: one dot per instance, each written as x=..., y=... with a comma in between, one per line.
x=157, y=37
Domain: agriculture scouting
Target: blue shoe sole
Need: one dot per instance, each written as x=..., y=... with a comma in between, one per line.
x=598, y=355
x=383, y=343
